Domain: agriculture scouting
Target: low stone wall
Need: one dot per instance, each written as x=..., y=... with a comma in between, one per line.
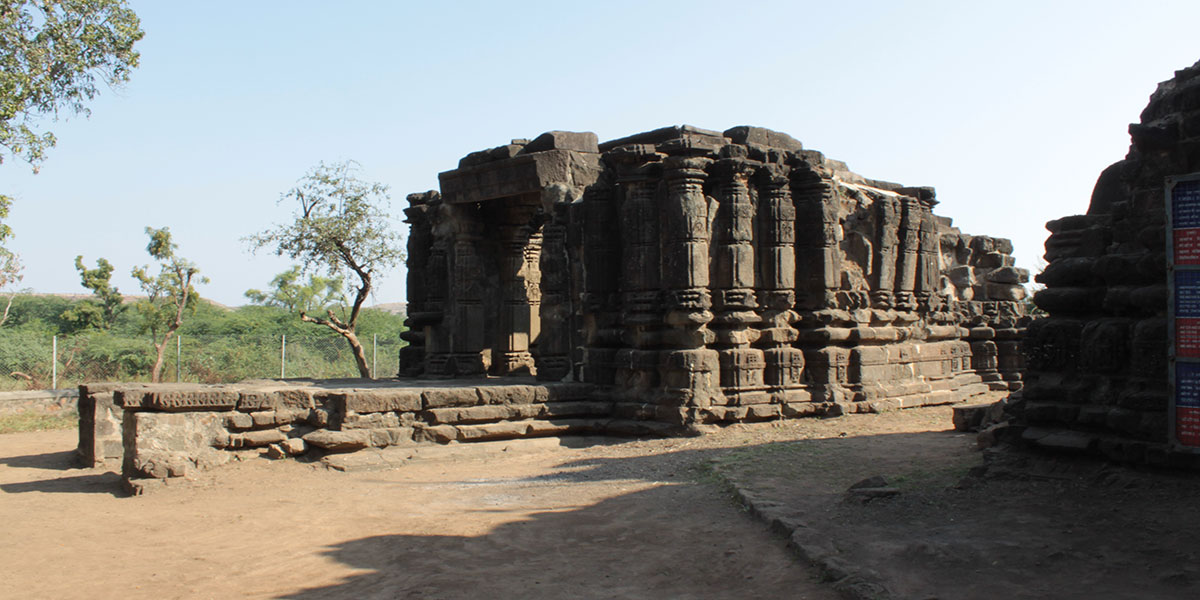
x=172, y=430
x=38, y=401
x=165, y=431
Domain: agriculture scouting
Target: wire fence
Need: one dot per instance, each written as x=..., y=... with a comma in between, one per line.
x=31, y=361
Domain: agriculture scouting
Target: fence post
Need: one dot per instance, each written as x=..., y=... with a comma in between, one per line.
x=178, y=358
x=283, y=356
x=374, y=354
x=54, y=363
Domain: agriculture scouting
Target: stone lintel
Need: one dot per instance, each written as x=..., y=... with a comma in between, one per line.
x=519, y=175
x=657, y=136
x=761, y=136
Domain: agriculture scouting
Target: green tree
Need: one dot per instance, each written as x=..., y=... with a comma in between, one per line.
x=340, y=228
x=101, y=311
x=53, y=55
x=169, y=296
x=318, y=294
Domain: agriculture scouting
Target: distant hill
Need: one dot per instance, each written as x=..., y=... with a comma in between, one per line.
x=125, y=298
x=395, y=308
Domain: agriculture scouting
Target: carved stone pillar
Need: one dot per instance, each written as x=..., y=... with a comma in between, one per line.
x=640, y=174
x=553, y=358
x=784, y=364
x=467, y=315
x=520, y=284
x=689, y=371
x=420, y=242
x=602, y=260
x=432, y=320
x=887, y=214
x=818, y=258
x=910, y=241
x=928, y=253
x=733, y=281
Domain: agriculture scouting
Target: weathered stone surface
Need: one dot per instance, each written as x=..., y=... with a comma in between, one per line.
x=492, y=431
x=338, y=441
x=1097, y=363
x=439, y=398
x=99, y=425
x=182, y=398
x=163, y=445
x=294, y=446
x=441, y=434
x=378, y=400
x=584, y=141
x=257, y=439
x=511, y=394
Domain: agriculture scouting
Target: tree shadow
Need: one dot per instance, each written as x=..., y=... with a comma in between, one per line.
x=671, y=541
x=92, y=483
x=58, y=461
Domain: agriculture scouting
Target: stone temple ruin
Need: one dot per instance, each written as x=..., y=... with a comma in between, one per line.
x=1098, y=364
x=661, y=282
x=705, y=277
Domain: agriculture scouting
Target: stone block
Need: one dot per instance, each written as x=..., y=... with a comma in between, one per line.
x=372, y=421
x=962, y=276
x=100, y=421
x=583, y=141
x=562, y=392
x=1011, y=275
x=746, y=134
x=257, y=439
x=338, y=441
x=995, y=260
x=565, y=426
x=442, y=434
x=969, y=417
x=578, y=408
x=189, y=398
x=443, y=397
x=471, y=414
x=264, y=418
x=239, y=420
x=163, y=445
x=294, y=446
x=492, y=431
x=1006, y=291
x=378, y=400
x=390, y=436
x=510, y=394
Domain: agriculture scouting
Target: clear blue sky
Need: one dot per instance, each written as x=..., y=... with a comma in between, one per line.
x=1009, y=109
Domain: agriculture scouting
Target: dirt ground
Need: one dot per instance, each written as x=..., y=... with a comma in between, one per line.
x=606, y=519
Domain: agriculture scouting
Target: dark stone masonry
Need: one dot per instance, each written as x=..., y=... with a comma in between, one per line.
x=659, y=283
x=1097, y=365
x=701, y=277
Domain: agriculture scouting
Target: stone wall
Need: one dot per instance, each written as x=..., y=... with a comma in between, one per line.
x=1097, y=365
x=697, y=277
x=36, y=401
x=174, y=430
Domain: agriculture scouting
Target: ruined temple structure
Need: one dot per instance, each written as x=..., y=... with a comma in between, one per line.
x=1097, y=376
x=694, y=276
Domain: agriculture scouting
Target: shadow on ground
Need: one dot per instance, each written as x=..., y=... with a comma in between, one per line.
x=673, y=541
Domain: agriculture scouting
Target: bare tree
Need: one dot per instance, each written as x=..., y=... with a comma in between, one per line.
x=339, y=227
x=170, y=295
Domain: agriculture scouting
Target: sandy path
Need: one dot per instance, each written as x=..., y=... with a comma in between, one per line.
x=630, y=520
